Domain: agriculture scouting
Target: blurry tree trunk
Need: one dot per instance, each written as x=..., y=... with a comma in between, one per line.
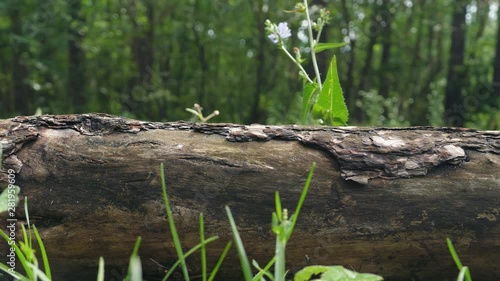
x=76, y=57
x=167, y=15
x=385, y=71
x=258, y=115
x=23, y=93
x=200, y=28
x=143, y=55
x=418, y=109
x=454, y=111
x=496, y=70
x=349, y=92
x=364, y=81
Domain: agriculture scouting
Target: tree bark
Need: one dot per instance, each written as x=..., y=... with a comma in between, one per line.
x=382, y=200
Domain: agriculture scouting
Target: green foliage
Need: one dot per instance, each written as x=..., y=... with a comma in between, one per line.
x=282, y=226
x=25, y=254
x=329, y=107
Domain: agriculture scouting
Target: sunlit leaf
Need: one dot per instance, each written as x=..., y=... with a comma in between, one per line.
x=331, y=106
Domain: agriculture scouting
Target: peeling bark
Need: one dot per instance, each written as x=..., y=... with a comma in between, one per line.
x=382, y=200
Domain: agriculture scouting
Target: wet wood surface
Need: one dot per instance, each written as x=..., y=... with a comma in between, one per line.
x=382, y=200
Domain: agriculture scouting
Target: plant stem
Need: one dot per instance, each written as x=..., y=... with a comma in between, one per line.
x=279, y=265
x=311, y=44
x=319, y=34
x=297, y=64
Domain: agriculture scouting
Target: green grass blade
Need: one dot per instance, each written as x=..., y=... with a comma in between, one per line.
x=20, y=255
x=187, y=254
x=45, y=259
x=461, y=275
x=135, y=250
x=203, y=250
x=14, y=274
x=455, y=257
x=262, y=271
x=302, y=198
x=171, y=223
x=100, y=272
x=28, y=221
x=34, y=267
x=136, y=246
x=245, y=265
x=135, y=269
x=39, y=274
x=219, y=261
x=265, y=269
x=25, y=235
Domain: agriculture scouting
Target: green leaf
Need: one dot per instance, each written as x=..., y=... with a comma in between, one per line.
x=13, y=193
x=326, y=46
x=339, y=273
x=307, y=272
x=334, y=273
x=307, y=94
x=331, y=107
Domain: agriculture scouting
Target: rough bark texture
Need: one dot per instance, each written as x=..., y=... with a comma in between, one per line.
x=382, y=200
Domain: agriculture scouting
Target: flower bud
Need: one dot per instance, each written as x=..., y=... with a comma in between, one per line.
x=300, y=8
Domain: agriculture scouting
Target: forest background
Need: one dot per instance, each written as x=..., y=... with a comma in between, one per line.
x=407, y=62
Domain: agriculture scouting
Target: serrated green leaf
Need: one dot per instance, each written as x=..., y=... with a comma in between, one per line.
x=326, y=46
x=307, y=94
x=331, y=107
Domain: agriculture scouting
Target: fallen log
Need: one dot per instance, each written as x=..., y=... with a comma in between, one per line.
x=382, y=200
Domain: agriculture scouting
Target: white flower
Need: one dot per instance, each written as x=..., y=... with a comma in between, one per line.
x=282, y=31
